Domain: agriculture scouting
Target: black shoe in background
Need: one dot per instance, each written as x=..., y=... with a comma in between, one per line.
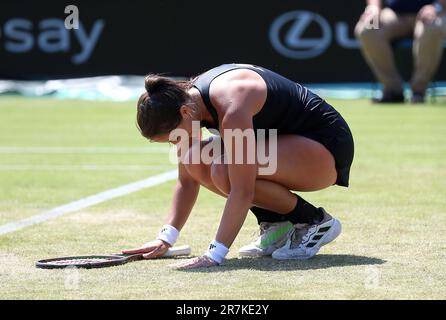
x=390, y=98
x=418, y=98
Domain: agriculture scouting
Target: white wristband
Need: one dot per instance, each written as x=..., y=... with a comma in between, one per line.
x=168, y=234
x=217, y=251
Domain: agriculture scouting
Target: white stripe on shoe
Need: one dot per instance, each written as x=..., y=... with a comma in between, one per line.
x=306, y=246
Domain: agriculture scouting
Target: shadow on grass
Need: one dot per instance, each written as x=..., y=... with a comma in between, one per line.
x=323, y=261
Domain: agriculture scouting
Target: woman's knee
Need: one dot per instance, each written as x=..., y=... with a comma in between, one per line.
x=219, y=176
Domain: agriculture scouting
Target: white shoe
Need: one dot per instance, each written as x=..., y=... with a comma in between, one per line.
x=272, y=237
x=305, y=240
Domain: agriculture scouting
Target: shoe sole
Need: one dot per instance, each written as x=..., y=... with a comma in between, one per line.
x=330, y=236
x=261, y=253
x=255, y=254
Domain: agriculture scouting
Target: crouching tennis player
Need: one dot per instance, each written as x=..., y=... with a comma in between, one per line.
x=313, y=149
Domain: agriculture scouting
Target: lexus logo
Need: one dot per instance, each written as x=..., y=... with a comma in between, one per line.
x=287, y=35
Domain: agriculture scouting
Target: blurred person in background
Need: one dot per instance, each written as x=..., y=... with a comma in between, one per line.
x=384, y=21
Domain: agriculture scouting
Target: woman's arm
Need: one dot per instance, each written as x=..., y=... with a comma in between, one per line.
x=184, y=197
x=239, y=100
x=242, y=176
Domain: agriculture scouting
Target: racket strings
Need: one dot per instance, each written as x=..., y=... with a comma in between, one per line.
x=81, y=261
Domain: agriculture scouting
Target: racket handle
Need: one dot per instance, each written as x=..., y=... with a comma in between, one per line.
x=178, y=251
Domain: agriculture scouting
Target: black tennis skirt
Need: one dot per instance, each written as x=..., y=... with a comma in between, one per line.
x=338, y=139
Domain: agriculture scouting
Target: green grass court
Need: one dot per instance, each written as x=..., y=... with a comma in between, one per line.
x=52, y=152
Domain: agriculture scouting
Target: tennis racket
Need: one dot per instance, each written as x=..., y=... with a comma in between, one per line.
x=103, y=261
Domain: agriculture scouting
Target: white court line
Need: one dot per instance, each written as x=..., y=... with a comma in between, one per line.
x=89, y=201
x=82, y=150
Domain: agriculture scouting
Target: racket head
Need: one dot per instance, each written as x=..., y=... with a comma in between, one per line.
x=87, y=262
x=178, y=251
x=104, y=261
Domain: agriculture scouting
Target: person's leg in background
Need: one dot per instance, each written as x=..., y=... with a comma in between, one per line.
x=377, y=50
x=427, y=51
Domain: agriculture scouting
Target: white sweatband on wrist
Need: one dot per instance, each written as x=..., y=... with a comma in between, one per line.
x=217, y=251
x=168, y=234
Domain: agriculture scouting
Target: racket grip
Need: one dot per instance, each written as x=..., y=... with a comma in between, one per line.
x=178, y=251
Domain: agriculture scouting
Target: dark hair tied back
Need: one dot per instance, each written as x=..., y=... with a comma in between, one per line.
x=158, y=109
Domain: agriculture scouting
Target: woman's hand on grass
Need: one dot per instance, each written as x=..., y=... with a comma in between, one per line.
x=194, y=263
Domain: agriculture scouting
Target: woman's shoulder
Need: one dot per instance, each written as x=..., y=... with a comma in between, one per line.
x=238, y=86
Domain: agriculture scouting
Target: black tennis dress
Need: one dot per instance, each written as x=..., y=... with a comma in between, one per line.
x=292, y=109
